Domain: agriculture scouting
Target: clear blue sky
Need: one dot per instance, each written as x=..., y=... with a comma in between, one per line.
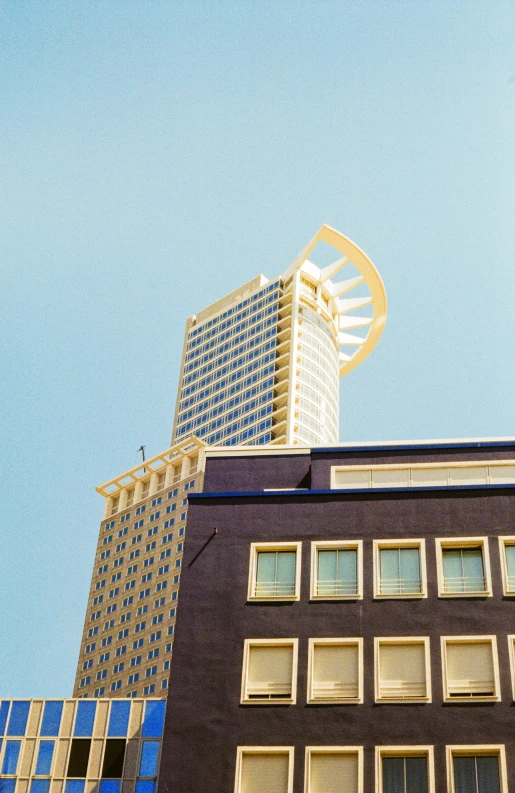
x=156, y=155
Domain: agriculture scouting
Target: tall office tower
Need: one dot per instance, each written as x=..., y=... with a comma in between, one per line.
x=262, y=365
x=127, y=641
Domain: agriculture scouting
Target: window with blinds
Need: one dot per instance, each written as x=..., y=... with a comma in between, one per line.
x=335, y=671
x=402, y=670
x=268, y=671
x=470, y=668
x=399, y=571
x=463, y=567
x=507, y=546
x=262, y=772
x=333, y=772
x=457, y=474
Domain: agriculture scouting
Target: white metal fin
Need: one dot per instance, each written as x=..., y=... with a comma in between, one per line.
x=354, y=322
x=349, y=338
x=341, y=287
x=350, y=303
x=333, y=268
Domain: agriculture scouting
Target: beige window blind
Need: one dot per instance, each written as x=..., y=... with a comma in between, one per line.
x=264, y=773
x=335, y=671
x=270, y=670
x=470, y=669
x=333, y=772
x=402, y=671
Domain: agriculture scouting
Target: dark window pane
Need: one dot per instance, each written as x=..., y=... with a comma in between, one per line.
x=51, y=718
x=114, y=756
x=85, y=718
x=488, y=774
x=393, y=775
x=11, y=755
x=4, y=711
x=45, y=754
x=74, y=786
x=416, y=775
x=40, y=786
x=465, y=775
x=79, y=757
x=154, y=719
x=149, y=754
x=119, y=719
x=18, y=720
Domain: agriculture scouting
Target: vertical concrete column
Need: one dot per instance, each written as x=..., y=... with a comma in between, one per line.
x=185, y=468
x=169, y=475
x=107, y=507
x=123, y=498
x=153, y=484
x=138, y=489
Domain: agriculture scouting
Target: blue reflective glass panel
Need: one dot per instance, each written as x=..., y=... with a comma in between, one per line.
x=145, y=786
x=148, y=762
x=11, y=755
x=119, y=719
x=45, y=754
x=4, y=711
x=40, y=786
x=154, y=719
x=85, y=718
x=51, y=718
x=18, y=720
x=7, y=785
x=110, y=785
x=75, y=786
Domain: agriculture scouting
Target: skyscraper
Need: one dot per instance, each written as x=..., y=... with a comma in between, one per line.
x=262, y=364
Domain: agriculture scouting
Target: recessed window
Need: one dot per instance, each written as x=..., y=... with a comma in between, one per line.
x=477, y=769
x=267, y=769
x=507, y=552
x=402, y=669
x=335, y=671
x=463, y=567
x=334, y=769
x=400, y=569
x=269, y=671
x=405, y=768
x=336, y=570
x=470, y=668
x=274, y=571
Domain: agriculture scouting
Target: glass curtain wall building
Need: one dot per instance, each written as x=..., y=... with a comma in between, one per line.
x=262, y=365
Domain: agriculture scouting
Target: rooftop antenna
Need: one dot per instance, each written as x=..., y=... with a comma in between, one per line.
x=142, y=450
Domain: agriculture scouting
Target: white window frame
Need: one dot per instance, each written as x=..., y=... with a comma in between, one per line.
x=475, y=750
x=294, y=644
x=336, y=545
x=492, y=639
x=242, y=750
x=451, y=543
x=355, y=750
x=257, y=547
x=503, y=542
x=405, y=751
x=490, y=465
x=511, y=650
x=353, y=641
x=379, y=545
x=378, y=640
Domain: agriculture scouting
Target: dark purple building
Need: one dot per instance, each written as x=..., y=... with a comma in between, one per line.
x=347, y=623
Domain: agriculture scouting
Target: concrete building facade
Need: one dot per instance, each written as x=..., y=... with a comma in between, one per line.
x=128, y=634
x=348, y=627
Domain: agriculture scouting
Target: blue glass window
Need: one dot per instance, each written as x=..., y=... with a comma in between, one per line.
x=45, y=754
x=18, y=720
x=85, y=718
x=149, y=755
x=7, y=785
x=75, y=786
x=51, y=718
x=11, y=755
x=145, y=786
x=40, y=786
x=154, y=719
x=110, y=785
x=4, y=711
x=119, y=719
